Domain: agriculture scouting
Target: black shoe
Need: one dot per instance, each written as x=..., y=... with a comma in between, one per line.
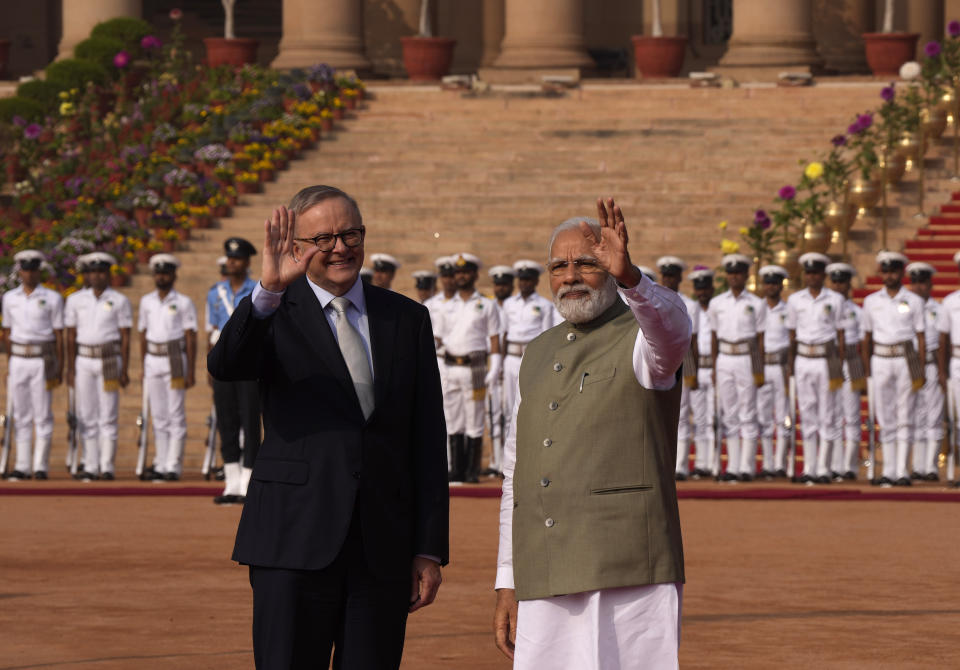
x=18, y=476
x=780, y=473
x=107, y=476
x=83, y=475
x=40, y=475
x=149, y=474
x=228, y=499
x=804, y=479
x=727, y=477
x=885, y=482
x=850, y=475
x=680, y=477
x=915, y=475
x=171, y=477
x=903, y=481
x=218, y=474
x=745, y=477
x=931, y=477
x=822, y=479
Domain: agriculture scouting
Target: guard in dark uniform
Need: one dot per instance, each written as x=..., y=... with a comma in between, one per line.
x=237, y=403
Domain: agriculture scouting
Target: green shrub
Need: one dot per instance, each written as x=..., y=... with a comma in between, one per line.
x=127, y=30
x=75, y=73
x=100, y=50
x=31, y=110
x=47, y=93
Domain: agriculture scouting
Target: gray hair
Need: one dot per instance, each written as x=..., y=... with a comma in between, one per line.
x=314, y=195
x=572, y=224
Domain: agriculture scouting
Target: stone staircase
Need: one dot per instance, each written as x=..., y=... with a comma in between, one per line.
x=437, y=172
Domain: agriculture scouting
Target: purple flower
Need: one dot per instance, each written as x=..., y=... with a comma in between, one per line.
x=854, y=129
x=700, y=267
x=150, y=42
x=760, y=217
x=787, y=192
x=887, y=93
x=32, y=131
x=839, y=140
x=122, y=59
x=865, y=121
x=19, y=121
x=953, y=28
x=932, y=49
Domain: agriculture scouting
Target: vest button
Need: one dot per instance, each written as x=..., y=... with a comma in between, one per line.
x=557, y=367
x=554, y=405
x=547, y=442
x=549, y=522
x=571, y=337
x=544, y=482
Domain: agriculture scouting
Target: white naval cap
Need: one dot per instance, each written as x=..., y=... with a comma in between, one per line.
x=891, y=258
x=670, y=264
x=366, y=272
x=424, y=279
x=527, y=269
x=701, y=276
x=423, y=274
x=813, y=261
x=222, y=260
x=28, y=259
x=442, y=262
x=96, y=260
x=732, y=262
x=648, y=271
x=772, y=274
x=463, y=258
x=921, y=271
x=164, y=263
x=384, y=262
x=841, y=271
x=501, y=271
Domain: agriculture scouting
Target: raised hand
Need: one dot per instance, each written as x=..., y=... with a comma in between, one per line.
x=279, y=268
x=610, y=246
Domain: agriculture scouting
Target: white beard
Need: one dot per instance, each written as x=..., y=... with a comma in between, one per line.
x=588, y=308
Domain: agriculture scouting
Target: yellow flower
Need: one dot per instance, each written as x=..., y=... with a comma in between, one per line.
x=729, y=247
x=67, y=109
x=814, y=171
x=744, y=231
x=722, y=225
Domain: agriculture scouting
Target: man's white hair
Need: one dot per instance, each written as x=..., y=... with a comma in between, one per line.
x=572, y=224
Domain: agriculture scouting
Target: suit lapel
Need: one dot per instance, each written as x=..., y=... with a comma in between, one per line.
x=383, y=328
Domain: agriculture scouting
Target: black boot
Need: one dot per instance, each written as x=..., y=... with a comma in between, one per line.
x=455, y=474
x=472, y=459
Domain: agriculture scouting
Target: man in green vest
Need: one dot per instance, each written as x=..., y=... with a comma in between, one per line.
x=590, y=568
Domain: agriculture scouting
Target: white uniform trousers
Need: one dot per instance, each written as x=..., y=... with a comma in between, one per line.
x=96, y=411
x=447, y=398
x=610, y=629
x=702, y=404
x=818, y=414
x=849, y=405
x=737, y=395
x=772, y=407
x=929, y=424
x=493, y=415
x=32, y=412
x=466, y=414
x=684, y=431
x=168, y=416
x=511, y=376
x=895, y=403
x=953, y=384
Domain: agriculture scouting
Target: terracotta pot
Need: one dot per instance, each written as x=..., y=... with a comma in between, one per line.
x=183, y=234
x=130, y=268
x=118, y=279
x=142, y=216
x=201, y=222
x=427, y=58
x=338, y=113
x=268, y=175
x=864, y=193
x=658, y=57
x=173, y=192
x=221, y=211
x=143, y=256
x=934, y=120
x=886, y=52
x=169, y=246
x=246, y=187
x=326, y=125
x=350, y=103
x=237, y=51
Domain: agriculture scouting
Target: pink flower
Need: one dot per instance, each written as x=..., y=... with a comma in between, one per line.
x=787, y=192
x=32, y=131
x=176, y=14
x=150, y=42
x=953, y=28
x=122, y=59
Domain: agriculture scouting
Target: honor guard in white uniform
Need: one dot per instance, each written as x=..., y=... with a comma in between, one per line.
x=928, y=426
x=894, y=351
x=773, y=405
x=702, y=398
x=671, y=274
x=526, y=314
x=385, y=269
x=425, y=282
x=816, y=343
x=167, y=324
x=737, y=319
x=33, y=331
x=436, y=305
x=469, y=328
x=948, y=359
x=503, y=277
x=98, y=320
x=846, y=463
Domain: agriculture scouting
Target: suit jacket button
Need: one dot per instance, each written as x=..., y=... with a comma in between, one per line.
x=544, y=482
x=557, y=367
x=571, y=337
x=554, y=405
x=549, y=522
x=356, y=475
x=547, y=442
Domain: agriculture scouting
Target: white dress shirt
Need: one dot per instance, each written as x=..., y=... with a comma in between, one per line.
x=705, y=334
x=815, y=319
x=931, y=312
x=467, y=325
x=948, y=318
x=852, y=321
x=776, y=335
x=32, y=318
x=167, y=319
x=736, y=318
x=525, y=318
x=661, y=343
x=97, y=320
x=893, y=320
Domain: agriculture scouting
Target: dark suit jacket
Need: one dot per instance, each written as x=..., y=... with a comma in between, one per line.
x=320, y=459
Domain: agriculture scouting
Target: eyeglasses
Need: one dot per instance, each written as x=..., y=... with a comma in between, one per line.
x=327, y=241
x=582, y=266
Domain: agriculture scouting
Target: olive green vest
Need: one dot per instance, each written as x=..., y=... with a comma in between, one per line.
x=595, y=504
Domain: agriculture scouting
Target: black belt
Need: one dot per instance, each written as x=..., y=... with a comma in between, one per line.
x=450, y=359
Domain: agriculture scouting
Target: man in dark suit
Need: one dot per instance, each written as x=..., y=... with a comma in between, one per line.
x=345, y=526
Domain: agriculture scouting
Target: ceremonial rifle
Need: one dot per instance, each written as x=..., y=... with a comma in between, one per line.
x=142, y=436
x=72, y=457
x=871, y=432
x=210, y=455
x=6, y=421
x=717, y=433
x=792, y=428
x=951, y=433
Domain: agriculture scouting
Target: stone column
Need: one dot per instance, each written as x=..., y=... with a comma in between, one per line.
x=838, y=27
x=770, y=37
x=79, y=18
x=926, y=17
x=330, y=32
x=543, y=35
x=493, y=26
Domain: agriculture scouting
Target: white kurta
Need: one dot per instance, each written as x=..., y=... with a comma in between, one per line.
x=637, y=626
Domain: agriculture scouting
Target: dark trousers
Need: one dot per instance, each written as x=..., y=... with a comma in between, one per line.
x=238, y=406
x=300, y=615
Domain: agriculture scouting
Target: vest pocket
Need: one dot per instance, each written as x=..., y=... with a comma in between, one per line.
x=610, y=490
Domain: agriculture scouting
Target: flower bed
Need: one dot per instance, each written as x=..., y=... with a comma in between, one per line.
x=128, y=158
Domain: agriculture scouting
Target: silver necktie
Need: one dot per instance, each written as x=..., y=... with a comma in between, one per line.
x=355, y=355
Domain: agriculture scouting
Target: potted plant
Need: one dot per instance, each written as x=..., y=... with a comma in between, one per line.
x=888, y=50
x=658, y=56
x=425, y=57
x=230, y=49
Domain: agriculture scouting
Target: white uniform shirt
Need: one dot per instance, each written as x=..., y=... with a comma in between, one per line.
x=893, y=320
x=524, y=319
x=693, y=311
x=737, y=318
x=663, y=339
x=948, y=318
x=467, y=325
x=852, y=321
x=167, y=319
x=776, y=336
x=32, y=318
x=931, y=312
x=815, y=320
x=705, y=334
x=97, y=320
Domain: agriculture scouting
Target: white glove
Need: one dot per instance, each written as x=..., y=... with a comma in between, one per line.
x=496, y=367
